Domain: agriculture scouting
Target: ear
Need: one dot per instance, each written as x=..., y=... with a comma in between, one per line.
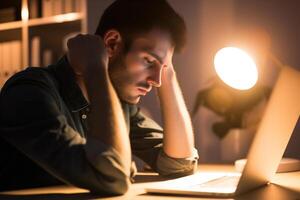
x=112, y=42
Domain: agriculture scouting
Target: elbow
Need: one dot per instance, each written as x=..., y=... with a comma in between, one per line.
x=120, y=187
x=112, y=186
x=110, y=175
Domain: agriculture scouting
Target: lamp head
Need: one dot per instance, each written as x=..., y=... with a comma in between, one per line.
x=236, y=68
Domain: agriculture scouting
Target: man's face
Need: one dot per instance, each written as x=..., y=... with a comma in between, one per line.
x=135, y=73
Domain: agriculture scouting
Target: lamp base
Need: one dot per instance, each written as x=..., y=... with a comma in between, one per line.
x=285, y=165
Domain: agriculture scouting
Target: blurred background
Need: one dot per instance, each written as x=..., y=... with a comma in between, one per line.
x=213, y=24
x=35, y=33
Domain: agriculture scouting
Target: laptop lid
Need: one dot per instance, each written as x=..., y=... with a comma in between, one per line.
x=267, y=148
x=274, y=132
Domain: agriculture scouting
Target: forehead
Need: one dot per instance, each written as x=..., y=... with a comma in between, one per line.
x=155, y=41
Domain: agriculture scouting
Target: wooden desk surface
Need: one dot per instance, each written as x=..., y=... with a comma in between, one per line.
x=286, y=186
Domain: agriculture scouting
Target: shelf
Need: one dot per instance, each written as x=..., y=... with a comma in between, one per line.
x=10, y=25
x=51, y=32
x=42, y=21
x=55, y=19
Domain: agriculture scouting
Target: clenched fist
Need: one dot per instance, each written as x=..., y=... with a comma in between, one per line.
x=86, y=52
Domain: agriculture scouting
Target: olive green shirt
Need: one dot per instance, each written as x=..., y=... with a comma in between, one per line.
x=44, y=137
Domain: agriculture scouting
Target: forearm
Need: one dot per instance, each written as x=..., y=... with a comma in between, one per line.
x=106, y=120
x=178, y=139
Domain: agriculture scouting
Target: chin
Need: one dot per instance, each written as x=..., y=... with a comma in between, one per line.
x=132, y=101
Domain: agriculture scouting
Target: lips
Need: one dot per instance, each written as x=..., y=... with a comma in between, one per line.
x=144, y=91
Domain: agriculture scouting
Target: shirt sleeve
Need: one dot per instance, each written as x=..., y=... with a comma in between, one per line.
x=147, y=143
x=32, y=121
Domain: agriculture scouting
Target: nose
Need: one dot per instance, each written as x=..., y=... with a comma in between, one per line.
x=155, y=76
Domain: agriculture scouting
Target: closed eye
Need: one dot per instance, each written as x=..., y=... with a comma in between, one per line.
x=148, y=61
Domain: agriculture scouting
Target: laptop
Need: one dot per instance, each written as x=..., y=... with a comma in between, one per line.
x=268, y=146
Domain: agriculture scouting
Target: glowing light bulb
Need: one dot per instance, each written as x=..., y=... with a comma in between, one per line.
x=236, y=68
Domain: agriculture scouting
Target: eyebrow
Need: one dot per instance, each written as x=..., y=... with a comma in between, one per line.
x=160, y=60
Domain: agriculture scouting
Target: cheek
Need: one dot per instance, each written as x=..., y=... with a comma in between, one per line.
x=135, y=71
x=128, y=78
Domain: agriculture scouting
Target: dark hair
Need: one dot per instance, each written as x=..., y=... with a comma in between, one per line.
x=134, y=17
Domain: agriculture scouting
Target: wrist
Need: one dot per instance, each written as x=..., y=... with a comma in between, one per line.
x=170, y=73
x=94, y=69
x=168, y=77
x=95, y=76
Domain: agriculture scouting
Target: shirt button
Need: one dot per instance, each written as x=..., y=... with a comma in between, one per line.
x=83, y=116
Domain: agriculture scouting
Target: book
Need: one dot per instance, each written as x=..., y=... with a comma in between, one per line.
x=15, y=47
x=47, y=8
x=6, y=58
x=33, y=7
x=57, y=6
x=77, y=5
x=68, y=6
x=47, y=57
x=2, y=70
x=35, y=51
x=1, y=61
x=7, y=14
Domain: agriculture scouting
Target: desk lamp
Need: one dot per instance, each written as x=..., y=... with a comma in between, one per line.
x=238, y=70
x=234, y=92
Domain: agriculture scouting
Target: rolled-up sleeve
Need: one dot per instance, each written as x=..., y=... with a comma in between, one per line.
x=32, y=121
x=147, y=143
x=176, y=167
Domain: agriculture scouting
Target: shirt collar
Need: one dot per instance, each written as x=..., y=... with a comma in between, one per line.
x=69, y=89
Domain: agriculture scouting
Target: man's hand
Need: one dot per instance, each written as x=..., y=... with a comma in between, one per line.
x=168, y=73
x=86, y=51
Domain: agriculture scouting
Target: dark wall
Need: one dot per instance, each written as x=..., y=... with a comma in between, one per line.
x=281, y=19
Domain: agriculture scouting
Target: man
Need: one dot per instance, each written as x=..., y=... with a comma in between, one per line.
x=77, y=121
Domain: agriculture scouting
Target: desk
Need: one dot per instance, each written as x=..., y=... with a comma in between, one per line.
x=285, y=186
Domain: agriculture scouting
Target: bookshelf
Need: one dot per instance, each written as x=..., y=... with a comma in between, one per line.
x=35, y=32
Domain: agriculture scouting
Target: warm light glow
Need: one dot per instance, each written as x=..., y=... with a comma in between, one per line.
x=65, y=17
x=236, y=68
x=24, y=14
